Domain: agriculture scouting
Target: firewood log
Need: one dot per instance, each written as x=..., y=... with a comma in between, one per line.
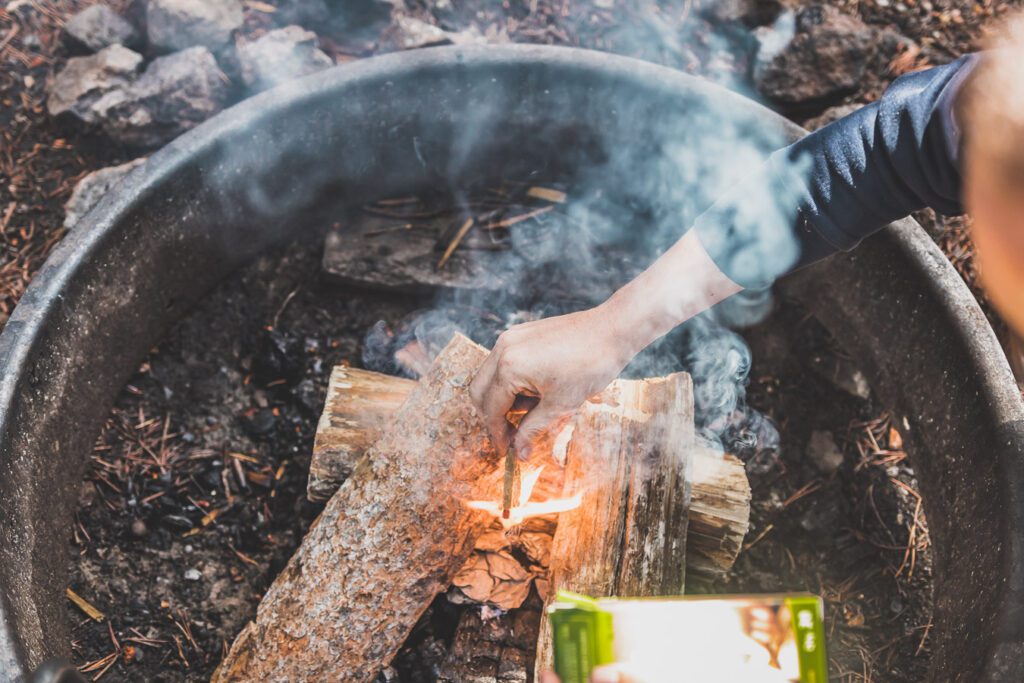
x=385, y=545
x=719, y=513
x=360, y=402
x=358, y=407
x=629, y=456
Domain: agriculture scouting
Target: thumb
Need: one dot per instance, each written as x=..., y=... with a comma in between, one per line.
x=533, y=427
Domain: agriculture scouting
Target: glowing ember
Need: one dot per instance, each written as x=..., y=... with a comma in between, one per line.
x=525, y=508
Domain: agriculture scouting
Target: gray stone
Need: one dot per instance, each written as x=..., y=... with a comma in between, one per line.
x=174, y=94
x=97, y=27
x=302, y=12
x=843, y=373
x=337, y=18
x=747, y=12
x=192, y=574
x=179, y=24
x=823, y=452
x=814, y=55
x=407, y=33
x=84, y=80
x=92, y=188
x=280, y=56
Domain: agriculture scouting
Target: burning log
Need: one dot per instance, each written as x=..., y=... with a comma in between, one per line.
x=495, y=650
x=360, y=403
x=629, y=457
x=385, y=545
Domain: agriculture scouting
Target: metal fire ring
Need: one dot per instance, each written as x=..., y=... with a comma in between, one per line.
x=217, y=196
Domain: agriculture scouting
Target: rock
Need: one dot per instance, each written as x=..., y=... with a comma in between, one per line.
x=84, y=80
x=92, y=188
x=97, y=27
x=746, y=12
x=179, y=24
x=830, y=115
x=335, y=17
x=175, y=94
x=260, y=424
x=823, y=452
x=192, y=574
x=280, y=56
x=302, y=12
x=843, y=374
x=816, y=54
x=409, y=33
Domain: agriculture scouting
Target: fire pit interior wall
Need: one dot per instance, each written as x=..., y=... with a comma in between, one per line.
x=449, y=118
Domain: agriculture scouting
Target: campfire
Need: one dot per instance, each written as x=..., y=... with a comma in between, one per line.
x=524, y=507
x=604, y=510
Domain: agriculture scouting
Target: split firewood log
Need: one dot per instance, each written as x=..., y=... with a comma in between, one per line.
x=359, y=406
x=386, y=543
x=360, y=402
x=719, y=513
x=629, y=457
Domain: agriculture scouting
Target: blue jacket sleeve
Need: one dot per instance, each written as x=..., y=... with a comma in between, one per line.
x=845, y=181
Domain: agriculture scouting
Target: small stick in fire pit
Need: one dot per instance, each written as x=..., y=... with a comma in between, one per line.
x=513, y=479
x=510, y=492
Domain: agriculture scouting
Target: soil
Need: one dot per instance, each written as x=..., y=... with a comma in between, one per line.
x=195, y=498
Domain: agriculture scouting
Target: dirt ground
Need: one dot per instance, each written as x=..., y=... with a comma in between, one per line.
x=195, y=497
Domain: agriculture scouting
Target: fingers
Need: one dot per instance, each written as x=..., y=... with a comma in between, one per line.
x=536, y=422
x=612, y=673
x=496, y=403
x=493, y=395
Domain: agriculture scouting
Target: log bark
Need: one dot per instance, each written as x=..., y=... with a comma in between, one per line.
x=360, y=402
x=629, y=456
x=385, y=545
x=494, y=650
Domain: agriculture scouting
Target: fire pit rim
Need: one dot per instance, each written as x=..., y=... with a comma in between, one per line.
x=43, y=299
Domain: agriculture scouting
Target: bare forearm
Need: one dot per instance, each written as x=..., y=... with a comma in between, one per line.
x=682, y=283
x=568, y=358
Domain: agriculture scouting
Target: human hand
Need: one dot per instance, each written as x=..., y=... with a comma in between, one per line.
x=611, y=673
x=565, y=360
x=562, y=361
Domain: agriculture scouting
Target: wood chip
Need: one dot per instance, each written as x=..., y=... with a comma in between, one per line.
x=84, y=605
x=260, y=6
x=509, y=222
x=547, y=194
x=455, y=243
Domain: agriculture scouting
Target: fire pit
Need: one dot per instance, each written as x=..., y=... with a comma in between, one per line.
x=218, y=196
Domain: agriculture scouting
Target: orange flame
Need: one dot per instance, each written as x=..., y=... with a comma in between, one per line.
x=525, y=508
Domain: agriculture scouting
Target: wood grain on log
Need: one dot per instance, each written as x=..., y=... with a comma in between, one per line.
x=719, y=513
x=359, y=405
x=629, y=456
x=385, y=545
x=359, y=402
